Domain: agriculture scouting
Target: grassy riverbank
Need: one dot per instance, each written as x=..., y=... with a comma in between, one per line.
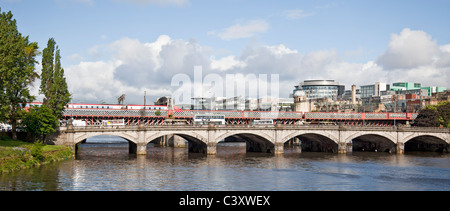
x=15, y=155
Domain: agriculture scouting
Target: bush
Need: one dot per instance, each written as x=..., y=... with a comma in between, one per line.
x=15, y=155
x=36, y=150
x=40, y=121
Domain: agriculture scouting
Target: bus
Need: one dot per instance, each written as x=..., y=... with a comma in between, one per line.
x=207, y=119
x=262, y=122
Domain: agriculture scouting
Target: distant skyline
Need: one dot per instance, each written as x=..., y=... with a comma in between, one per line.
x=114, y=47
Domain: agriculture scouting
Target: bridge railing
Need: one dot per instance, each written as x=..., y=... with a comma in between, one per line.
x=426, y=129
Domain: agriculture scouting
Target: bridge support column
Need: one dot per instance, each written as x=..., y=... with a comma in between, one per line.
x=211, y=149
x=176, y=141
x=279, y=148
x=139, y=148
x=69, y=136
x=344, y=148
x=400, y=148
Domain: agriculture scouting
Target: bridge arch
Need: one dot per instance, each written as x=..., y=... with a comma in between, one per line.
x=132, y=141
x=387, y=136
x=255, y=141
x=196, y=142
x=373, y=142
x=330, y=136
x=315, y=141
x=87, y=135
x=426, y=142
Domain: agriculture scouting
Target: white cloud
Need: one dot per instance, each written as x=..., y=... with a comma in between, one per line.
x=296, y=14
x=444, y=58
x=414, y=56
x=134, y=66
x=281, y=50
x=226, y=63
x=244, y=30
x=93, y=81
x=409, y=49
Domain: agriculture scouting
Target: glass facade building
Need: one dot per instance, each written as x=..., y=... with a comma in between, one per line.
x=405, y=86
x=319, y=89
x=374, y=89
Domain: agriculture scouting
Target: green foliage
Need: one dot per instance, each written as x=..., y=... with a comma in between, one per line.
x=17, y=66
x=53, y=82
x=16, y=155
x=434, y=116
x=431, y=107
x=427, y=118
x=40, y=121
x=158, y=112
x=444, y=113
x=36, y=151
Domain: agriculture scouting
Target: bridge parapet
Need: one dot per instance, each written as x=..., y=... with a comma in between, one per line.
x=259, y=127
x=425, y=129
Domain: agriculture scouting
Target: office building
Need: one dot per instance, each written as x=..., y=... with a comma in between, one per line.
x=320, y=89
x=373, y=90
x=397, y=86
x=434, y=89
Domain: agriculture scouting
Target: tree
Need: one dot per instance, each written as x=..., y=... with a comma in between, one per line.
x=434, y=115
x=53, y=82
x=17, y=60
x=40, y=121
x=427, y=117
x=443, y=110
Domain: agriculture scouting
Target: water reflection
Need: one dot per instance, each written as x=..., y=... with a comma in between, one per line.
x=109, y=166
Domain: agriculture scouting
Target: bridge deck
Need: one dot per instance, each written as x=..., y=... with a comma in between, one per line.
x=157, y=117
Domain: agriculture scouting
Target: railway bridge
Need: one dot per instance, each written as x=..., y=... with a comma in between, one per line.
x=95, y=116
x=268, y=138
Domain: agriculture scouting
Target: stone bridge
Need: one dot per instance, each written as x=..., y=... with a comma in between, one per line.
x=267, y=138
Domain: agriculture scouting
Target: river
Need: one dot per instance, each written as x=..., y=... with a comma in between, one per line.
x=103, y=163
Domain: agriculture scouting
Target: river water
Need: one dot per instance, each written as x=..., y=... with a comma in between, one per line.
x=103, y=163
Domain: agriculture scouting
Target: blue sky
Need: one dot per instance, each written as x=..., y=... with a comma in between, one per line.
x=353, y=42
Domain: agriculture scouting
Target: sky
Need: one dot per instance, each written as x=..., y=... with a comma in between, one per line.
x=114, y=47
